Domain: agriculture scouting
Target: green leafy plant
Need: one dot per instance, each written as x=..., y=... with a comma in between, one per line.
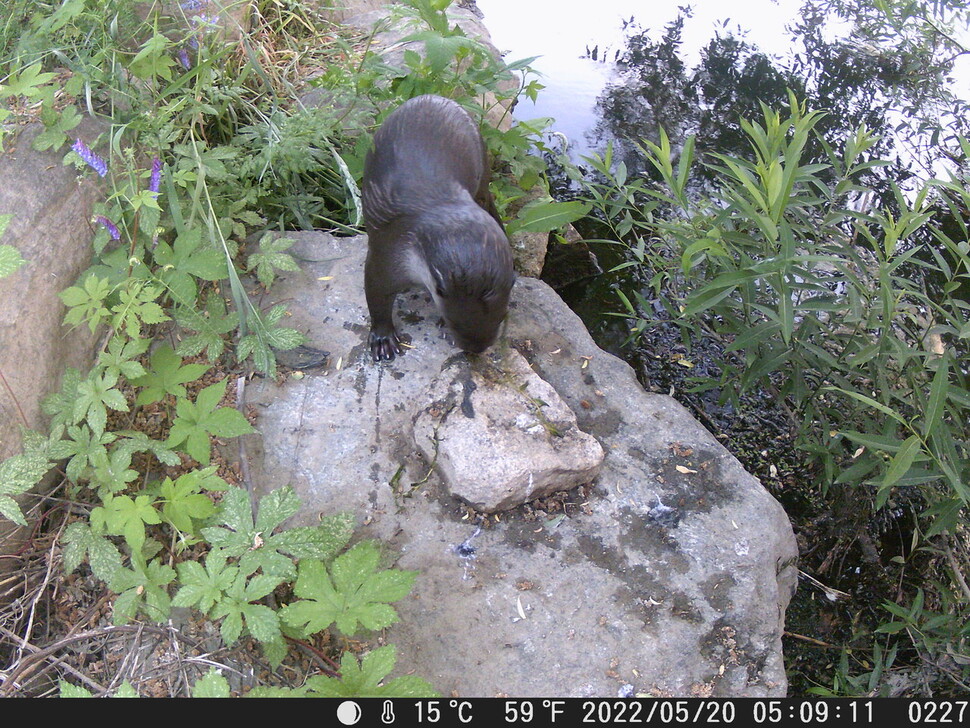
x=207, y=146
x=252, y=541
x=853, y=319
x=10, y=258
x=20, y=473
x=167, y=375
x=354, y=591
x=363, y=679
x=271, y=258
x=196, y=421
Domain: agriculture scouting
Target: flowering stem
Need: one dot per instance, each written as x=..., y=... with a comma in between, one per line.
x=134, y=237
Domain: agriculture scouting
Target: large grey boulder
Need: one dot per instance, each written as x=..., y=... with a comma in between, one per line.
x=52, y=230
x=670, y=573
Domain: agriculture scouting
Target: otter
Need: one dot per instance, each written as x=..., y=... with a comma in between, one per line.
x=431, y=221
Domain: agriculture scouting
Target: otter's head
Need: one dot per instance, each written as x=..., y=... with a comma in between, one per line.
x=471, y=279
x=475, y=319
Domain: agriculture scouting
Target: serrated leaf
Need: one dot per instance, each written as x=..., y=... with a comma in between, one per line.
x=67, y=690
x=211, y=685
x=194, y=422
x=228, y=422
x=354, y=592
x=275, y=651
x=142, y=588
x=11, y=511
x=134, y=441
x=10, y=260
x=275, y=507
x=364, y=680
x=126, y=516
x=202, y=586
x=167, y=375
x=262, y=622
x=237, y=608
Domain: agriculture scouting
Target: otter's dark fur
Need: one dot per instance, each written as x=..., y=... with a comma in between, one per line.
x=431, y=221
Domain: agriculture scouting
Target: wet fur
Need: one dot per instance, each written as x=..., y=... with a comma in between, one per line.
x=431, y=221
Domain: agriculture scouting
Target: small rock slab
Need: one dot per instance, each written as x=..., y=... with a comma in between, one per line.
x=500, y=436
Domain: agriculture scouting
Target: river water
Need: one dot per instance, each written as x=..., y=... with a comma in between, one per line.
x=564, y=35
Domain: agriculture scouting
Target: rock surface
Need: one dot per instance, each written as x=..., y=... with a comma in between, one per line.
x=671, y=574
x=51, y=227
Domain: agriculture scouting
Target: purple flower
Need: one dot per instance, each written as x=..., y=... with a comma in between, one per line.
x=205, y=22
x=193, y=5
x=111, y=227
x=156, y=175
x=183, y=57
x=92, y=159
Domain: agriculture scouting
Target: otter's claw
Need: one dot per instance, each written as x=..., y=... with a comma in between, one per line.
x=384, y=347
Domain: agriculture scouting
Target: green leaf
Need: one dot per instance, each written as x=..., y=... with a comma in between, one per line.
x=195, y=422
x=367, y=679
x=134, y=441
x=902, y=460
x=141, y=589
x=167, y=375
x=57, y=124
x=869, y=401
x=258, y=545
x=357, y=593
x=212, y=326
x=67, y=690
x=80, y=543
x=59, y=406
x=137, y=307
x=716, y=291
x=83, y=448
x=119, y=358
x=933, y=414
x=891, y=628
x=111, y=473
x=29, y=82
x=126, y=516
x=87, y=302
x=154, y=59
x=94, y=396
x=183, y=504
x=186, y=258
x=204, y=587
x=20, y=473
x=542, y=216
x=238, y=609
x=211, y=685
x=10, y=259
x=271, y=258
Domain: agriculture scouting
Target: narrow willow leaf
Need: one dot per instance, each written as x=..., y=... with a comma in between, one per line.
x=932, y=416
x=871, y=402
x=902, y=461
x=545, y=216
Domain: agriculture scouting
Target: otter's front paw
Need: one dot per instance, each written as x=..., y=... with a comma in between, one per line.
x=384, y=347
